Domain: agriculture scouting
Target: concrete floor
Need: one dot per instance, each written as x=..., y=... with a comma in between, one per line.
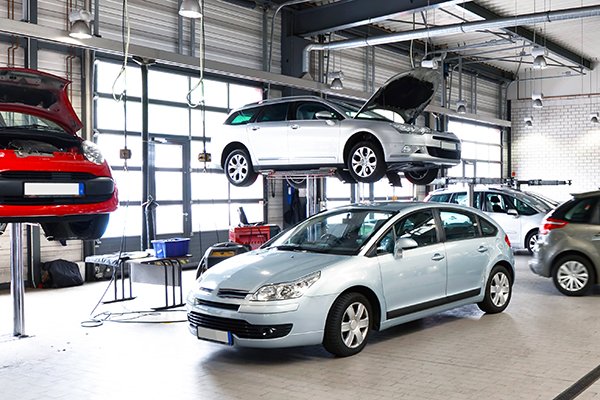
x=541, y=345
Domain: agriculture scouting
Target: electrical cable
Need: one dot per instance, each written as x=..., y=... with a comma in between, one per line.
x=125, y=37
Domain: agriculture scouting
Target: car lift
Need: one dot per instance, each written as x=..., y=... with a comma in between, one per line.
x=17, y=282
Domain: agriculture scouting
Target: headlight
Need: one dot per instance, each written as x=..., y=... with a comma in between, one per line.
x=285, y=291
x=412, y=129
x=92, y=152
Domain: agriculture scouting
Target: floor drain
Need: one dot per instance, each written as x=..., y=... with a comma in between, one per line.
x=580, y=386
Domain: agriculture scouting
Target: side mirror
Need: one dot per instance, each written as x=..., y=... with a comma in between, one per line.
x=325, y=115
x=404, y=244
x=513, y=212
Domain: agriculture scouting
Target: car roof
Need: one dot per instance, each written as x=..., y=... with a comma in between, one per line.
x=283, y=100
x=397, y=206
x=477, y=188
x=593, y=193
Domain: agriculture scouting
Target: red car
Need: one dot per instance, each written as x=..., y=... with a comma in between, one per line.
x=48, y=174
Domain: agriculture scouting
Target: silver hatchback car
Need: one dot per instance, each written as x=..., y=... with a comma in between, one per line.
x=568, y=247
x=337, y=276
x=361, y=144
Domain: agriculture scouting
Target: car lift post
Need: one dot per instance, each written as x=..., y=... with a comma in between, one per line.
x=17, y=282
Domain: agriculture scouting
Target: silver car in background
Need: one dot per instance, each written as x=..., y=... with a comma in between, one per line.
x=518, y=213
x=568, y=248
x=361, y=143
x=337, y=276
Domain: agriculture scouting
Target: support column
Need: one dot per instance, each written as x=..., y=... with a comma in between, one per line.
x=17, y=281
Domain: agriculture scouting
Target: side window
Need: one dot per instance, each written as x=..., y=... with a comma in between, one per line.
x=487, y=228
x=273, y=113
x=441, y=198
x=581, y=211
x=386, y=244
x=459, y=225
x=522, y=207
x=419, y=226
x=242, y=117
x=495, y=202
x=306, y=111
x=460, y=198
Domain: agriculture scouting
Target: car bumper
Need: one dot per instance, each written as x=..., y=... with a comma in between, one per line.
x=540, y=263
x=279, y=324
x=420, y=151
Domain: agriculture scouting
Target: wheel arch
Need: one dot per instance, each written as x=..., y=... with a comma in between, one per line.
x=359, y=137
x=536, y=230
x=509, y=268
x=231, y=147
x=574, y=253
x=373, y=299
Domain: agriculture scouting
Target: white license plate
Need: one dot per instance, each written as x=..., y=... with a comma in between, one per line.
x=449, y=146
x=214, y=336
x=52, y=189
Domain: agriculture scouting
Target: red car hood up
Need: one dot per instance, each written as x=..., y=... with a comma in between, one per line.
x=40, y=94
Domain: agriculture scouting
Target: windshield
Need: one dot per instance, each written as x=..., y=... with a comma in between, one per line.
x=17, y=120
x=342, y=232
x=351, y=111
x=549, y=204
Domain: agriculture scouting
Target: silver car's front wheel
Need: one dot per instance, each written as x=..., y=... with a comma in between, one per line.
x=573, y=275
x=498, y=291
x=366, y=162
x=348, y=325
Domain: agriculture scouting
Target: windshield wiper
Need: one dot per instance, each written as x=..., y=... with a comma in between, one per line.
x=290, y=247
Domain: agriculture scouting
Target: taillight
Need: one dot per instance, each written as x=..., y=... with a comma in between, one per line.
x=506, y=240
x=550, y=223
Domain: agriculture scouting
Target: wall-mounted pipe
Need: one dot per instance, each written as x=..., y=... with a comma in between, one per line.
x=528, y=19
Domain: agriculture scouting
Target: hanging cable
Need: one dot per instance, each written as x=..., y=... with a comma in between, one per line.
x=125, y=37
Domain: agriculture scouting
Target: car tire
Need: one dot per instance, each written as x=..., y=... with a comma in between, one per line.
x=366, y=162
x=348, y=325
x=498, y=291
x=238, y=168
x=421, y=177
x=573, y=275
x=296, y=182
x=531, y=240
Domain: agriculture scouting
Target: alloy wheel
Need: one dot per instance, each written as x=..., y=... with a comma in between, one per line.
x=364, y=162
x=572, y=276
x=355, y=325
x=237, y=168
x=499, y=289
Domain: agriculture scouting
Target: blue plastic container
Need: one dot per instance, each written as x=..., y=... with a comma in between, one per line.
x=171, y=247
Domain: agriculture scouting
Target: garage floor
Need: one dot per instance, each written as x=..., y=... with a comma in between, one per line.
x=539, y=347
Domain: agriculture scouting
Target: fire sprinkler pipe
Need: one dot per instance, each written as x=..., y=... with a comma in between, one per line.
x=528, y=19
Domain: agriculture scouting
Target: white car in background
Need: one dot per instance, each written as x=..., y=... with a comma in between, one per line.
x=518, y=213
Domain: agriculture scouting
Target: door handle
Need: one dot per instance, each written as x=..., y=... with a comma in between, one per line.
x=295, y=126
x=255, y=128
x=437, y=257
x=482, y=249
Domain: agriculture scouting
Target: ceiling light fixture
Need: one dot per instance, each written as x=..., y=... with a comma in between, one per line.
x=528, y=121
x=539, y=60
x=594, y=118
x=537, y=100
x=190, y=9
x=461, y=107
x=336, y=80
x=80, y=28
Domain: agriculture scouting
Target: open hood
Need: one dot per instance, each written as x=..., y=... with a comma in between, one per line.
x=40, y=94
x=407, y=93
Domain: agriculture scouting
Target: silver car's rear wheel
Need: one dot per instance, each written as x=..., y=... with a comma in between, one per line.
x=366, y=162
x=531, y=240
x=498, y=291
x=573, y=275
x=238, y=168
x=348, y=325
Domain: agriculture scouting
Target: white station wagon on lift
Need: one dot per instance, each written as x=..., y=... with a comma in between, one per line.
x=361, y=144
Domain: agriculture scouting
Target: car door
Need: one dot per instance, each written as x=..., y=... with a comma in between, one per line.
x=497, y=206
x=268, y=137
x=312, y=141
x=468, y=253
x=418, y=277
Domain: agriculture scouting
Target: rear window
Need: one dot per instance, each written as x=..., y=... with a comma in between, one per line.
x=440, y=198
x=577, y=210
x=242, y=117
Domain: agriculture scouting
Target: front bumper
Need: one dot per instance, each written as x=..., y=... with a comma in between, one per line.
x=423, y=151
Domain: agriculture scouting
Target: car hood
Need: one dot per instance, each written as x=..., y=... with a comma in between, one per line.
x=407, y=93
x=249, y=271
x=40, y=94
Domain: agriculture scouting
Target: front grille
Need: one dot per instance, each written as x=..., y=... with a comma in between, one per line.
x=442, y=153
x=232, y=293
x=52, y=201
x=239, y=327
x=214, y=304
x=47, y=176
x=445, y=139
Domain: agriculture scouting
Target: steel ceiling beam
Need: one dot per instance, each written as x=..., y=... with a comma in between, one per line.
x=528, y=35
x=347, y=14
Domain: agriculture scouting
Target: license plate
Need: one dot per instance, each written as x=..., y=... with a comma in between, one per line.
x=46, y=189
x=214, y=336
x=449, y=146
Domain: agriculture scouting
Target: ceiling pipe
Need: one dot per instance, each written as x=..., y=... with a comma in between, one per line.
x=528, y=19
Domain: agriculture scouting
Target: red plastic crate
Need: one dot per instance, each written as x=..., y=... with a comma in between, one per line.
x=252, y=235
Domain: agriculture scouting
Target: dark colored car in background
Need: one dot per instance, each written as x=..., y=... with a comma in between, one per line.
x=568, y=247
x=48, y=174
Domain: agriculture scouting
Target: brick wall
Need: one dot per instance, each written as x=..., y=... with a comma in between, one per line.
x=562, y=144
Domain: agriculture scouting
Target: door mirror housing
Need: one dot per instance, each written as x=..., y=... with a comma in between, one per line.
x=513, y=212
x=324, y=115
x=404, y=244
